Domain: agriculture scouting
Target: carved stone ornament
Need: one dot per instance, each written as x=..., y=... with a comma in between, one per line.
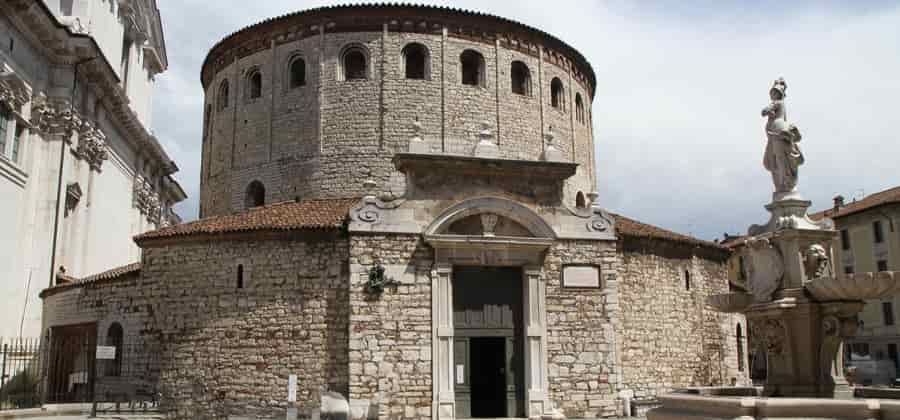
x=600, y=220
x=488, y=223
x=13, y=97
x=486, y=147
x=92, y=145
x=551, y=153
x=770, y=335
x=145, y=199
x=816, y=263
x=73, y=196
x=764, y=269
x=54, y=117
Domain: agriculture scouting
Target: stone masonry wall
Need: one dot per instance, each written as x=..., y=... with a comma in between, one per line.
x=670, y=338
x=581, y=331
x=225, y=350
x=325, y=138
x=390, y=336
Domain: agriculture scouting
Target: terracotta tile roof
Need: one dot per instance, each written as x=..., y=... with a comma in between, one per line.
x=626, y=227
x=66, y=282
x=888, y=196
x=289, y=215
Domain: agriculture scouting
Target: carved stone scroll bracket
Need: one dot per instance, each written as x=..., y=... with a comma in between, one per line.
x=598, y=220
x=92, y=145
x=73, y=197
x=54, y=117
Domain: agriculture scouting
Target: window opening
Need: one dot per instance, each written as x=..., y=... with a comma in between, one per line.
x=472, y=64
x=415, y=58
x=520, y=78
x=298, y=73
x=556, y=94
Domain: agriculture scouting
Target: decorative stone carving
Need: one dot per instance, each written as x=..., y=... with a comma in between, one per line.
x=486, y=147
x=146, y=200
x=488, y=223
x=14, y=92
x=816, y=263
x=417, y=143
x=783, y=156
x=770, y=335
x=600, y=220
x=764, y=268
x=91, y=145
x=551, y=153
x=73, y=196
x=54, y=117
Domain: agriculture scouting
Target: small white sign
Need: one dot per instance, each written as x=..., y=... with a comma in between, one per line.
x=106, y=352
x=292, y=388
x=581, y=276
x=460, y=374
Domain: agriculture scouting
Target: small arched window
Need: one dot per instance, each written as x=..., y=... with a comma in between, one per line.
x=520, y=77
x=687, y=280
x=739, y=336
x=297, y=72
x=254, y=84
x=256, y=195
x=223, y=95
x=579, y=200
x=240, y=276
x=557, y=94
x=115, y=336
x=472, y=67
x=415, y=61
x=355, y=63
x=579, y=108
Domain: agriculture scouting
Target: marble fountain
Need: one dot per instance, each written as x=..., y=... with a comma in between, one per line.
x=798, y=307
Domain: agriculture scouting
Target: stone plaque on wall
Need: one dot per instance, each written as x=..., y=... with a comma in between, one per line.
x=582, y=276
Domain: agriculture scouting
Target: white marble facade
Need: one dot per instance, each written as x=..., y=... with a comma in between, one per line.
x=76, y=78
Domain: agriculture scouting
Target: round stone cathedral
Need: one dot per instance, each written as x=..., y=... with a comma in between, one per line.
x=398, y=209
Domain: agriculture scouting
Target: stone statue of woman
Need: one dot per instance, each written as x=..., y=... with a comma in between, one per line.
x=783, y=157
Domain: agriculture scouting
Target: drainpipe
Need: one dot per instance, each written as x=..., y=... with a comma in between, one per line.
x=59, y=181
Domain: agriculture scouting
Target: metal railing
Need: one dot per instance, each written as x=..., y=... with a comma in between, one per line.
x=20, y=373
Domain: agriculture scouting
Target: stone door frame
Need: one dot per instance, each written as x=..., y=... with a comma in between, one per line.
x=471, y=250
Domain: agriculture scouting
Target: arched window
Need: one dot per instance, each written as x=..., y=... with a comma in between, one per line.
x=415, y=61
x=739, y=336
x=687, y=280
x=114, y=337
x=579, y=108
x=579, y=200
x=254, y=84
x=223, y=95
x=240, y=276
x=520, y=77
x=256, y=195
x=297, y=72
x=557, y=94
x=355, y=63
x=472, y=67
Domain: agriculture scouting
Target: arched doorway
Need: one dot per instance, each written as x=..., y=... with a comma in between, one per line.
x=495, y=240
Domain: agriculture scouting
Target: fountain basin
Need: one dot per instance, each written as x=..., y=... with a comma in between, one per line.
x=859, y=286
x=678, y=406
x=730, y=302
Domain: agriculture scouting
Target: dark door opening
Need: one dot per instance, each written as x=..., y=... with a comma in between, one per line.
x=489, y=367
x=488, y=360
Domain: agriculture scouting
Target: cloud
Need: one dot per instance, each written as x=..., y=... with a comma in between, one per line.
x=680, y=85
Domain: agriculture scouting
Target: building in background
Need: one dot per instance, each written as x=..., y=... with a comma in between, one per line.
x=869, y=242
x=80, y=171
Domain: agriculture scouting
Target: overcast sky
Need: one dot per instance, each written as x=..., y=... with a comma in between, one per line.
x=677, y=121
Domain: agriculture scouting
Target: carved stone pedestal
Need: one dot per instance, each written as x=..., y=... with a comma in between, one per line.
x=801, y=339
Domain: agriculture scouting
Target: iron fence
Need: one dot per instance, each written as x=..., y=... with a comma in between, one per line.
x=68, y=368
x=20, y=373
